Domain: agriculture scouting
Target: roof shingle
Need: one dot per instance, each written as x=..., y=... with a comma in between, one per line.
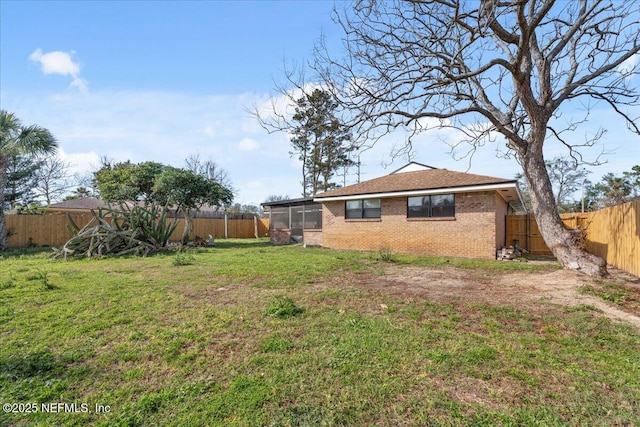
x=430, y=179
x=84, y=203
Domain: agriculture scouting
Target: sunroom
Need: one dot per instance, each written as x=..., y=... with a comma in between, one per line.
x=295, y=221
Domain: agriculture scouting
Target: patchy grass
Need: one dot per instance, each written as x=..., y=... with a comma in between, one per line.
x=161, y=345
x=623, y=295
x=477, y=264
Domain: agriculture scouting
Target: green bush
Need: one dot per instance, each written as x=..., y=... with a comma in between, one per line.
x=283, y=307
x=183, y=258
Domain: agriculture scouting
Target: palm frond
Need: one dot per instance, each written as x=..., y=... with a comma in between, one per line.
x=9, y=127
x=36, y=140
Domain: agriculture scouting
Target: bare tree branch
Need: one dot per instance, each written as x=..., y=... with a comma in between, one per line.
x=512, y=64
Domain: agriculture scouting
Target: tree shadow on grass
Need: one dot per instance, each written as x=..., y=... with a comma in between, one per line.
x=33, y=364
x=241, y=244
x=17, y=253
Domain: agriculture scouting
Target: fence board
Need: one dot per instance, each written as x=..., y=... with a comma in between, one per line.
x=51, y=229
x=612, y=234
x=523, y=230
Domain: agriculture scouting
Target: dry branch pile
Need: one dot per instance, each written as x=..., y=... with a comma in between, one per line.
x=137, y=230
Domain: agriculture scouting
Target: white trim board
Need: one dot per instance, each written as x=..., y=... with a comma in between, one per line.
x=467, y=189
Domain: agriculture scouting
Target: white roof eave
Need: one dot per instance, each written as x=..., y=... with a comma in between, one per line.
x=411, y=193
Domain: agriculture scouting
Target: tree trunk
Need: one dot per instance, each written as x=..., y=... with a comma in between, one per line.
x=561, y=241
x=3, y=232
x=304, y=176
x=3, y=185
x=188, y=226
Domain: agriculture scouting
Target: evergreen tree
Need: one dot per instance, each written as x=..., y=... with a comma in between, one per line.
x=21, y=180
x=320, y=141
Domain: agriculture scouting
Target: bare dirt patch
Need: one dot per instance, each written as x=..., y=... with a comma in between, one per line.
x=561, y=287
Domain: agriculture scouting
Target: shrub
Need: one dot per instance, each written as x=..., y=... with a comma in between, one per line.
x=183, y=258
x=386, y=255
x=133, y=230
x=283, y=307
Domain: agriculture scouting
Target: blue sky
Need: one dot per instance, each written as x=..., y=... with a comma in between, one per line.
x=162, y=80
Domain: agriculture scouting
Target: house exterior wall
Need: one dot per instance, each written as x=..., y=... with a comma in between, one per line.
x=283, y=237
x=473, y=233
x=312, y=237
x=501, y=221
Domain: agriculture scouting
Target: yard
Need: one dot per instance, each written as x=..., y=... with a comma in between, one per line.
x=252, y=334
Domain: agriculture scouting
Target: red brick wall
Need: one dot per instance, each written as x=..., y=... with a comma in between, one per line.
x=471, y=234
x=283, y=237
x=280, y=237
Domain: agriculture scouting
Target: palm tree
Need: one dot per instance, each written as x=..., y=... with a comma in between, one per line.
x=18, y=139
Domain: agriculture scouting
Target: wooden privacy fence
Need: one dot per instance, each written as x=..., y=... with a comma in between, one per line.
x=51, y=230
x=612, y=234
x=522, y=231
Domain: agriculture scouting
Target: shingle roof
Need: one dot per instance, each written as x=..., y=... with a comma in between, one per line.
x=84, y=203
x=430, y=179
x=289, y=202
x=89, y=203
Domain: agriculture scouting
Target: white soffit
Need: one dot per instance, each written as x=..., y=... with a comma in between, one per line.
x=508, y=192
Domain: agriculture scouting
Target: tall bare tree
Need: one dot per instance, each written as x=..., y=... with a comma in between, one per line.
x=210, y=170
x=52, y=178
x=488, y=68
x=566, y=178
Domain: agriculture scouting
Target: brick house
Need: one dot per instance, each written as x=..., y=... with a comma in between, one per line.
x=420, y=209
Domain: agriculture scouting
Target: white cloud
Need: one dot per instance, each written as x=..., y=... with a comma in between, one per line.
x=628, y=67
x=80, y=162
x=79, y=83
x=208, y=131
x=58, y=62
x=248, y=144
x=282, y=106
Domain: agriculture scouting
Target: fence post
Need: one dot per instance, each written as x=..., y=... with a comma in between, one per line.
x=528, y=231
x=255, y=226
x=226, y=226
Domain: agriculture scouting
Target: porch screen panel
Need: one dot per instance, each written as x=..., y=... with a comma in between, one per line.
x=296, y=217
x=313, y=216
x=279, y=218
